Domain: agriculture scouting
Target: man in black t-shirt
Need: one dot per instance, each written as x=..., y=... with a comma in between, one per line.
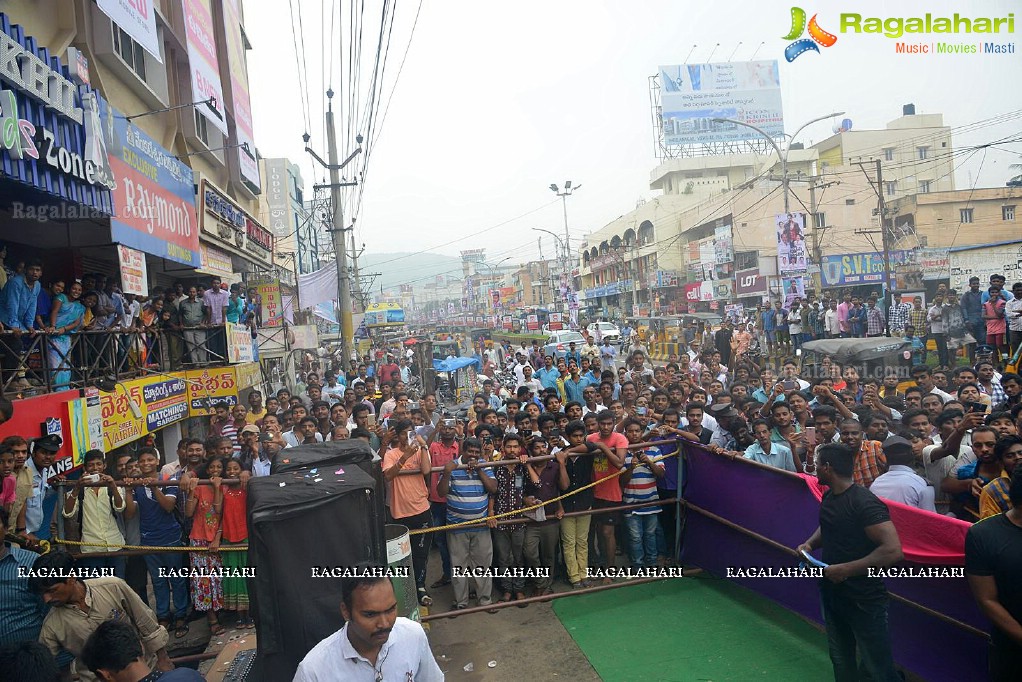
x=993, y=565
x=856, y=534
x=576, y=463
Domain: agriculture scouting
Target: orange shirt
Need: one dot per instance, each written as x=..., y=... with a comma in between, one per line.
x=408, y=494
x=607, y=490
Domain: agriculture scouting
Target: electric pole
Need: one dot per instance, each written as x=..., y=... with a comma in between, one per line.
x=884, y=235
x=354, y=269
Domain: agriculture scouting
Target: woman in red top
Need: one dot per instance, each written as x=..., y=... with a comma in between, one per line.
x=235, y=532
x=203, y=506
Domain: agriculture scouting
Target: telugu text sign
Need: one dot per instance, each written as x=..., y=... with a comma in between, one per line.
x=207, y=387
x=134, y=276
x=162, y=401
x=203, y=63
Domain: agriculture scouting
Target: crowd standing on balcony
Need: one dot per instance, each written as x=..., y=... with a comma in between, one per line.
x=170, y=328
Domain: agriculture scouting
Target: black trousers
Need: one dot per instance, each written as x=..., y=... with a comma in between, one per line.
x=420, y=544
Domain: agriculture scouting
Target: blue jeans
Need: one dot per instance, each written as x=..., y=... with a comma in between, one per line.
x=163, y=586
x=118, y=563
x=858, y=638
x=439, y=512
x=644, y=538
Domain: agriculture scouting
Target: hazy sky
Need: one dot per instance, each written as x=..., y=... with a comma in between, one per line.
x=498, y=100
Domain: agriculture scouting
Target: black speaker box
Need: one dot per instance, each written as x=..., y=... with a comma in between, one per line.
x=298, y=520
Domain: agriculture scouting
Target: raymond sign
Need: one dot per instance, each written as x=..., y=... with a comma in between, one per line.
x=162, y=401
x=207, y=387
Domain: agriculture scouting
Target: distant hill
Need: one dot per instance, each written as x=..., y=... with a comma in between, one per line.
x=408, y=268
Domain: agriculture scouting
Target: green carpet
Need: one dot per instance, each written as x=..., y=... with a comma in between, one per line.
x=693, y=629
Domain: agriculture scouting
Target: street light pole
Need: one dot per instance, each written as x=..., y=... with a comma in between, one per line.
x=561, y=248
x=568, y=190
x=782, y=155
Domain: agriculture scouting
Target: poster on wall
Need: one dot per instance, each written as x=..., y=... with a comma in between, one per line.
x=723, y=247
x=791, y=243
x=556, y=322
x=793, y=287
x=86, y=421
x=134, y=277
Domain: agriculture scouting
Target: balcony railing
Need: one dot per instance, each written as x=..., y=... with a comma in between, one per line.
x=42, y=362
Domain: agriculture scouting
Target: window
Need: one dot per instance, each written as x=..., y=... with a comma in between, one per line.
x=1008, y=213
x=924, y=152
x=821, y=220
x=849, y=202
x=201, y=124
x=965, y=215
x=889, y=188
x=889, y=154
x=130, y=52
x=924, y=186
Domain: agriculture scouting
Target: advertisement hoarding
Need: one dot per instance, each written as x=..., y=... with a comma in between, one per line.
x=137, y=18
x=240, y=346
x=791, y=243
x=858, y=268
x=154, y=196
x=985, y=261
x=269, y=306
x=203, y=63
x=723, y=248
x=237, y=65
x=278, y=199
x=793, y=287
x=692, y=95
x=750, y=283
x=207, y=387
x=162, y=401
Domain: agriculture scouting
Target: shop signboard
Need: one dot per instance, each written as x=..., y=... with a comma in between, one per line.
x=723, y=289
x=53, y=138
x=216, y=262
x=240, y=347
x=270, y=308
x=161, y=401
x=853, y=269
x=224, y=223
x=305, y=336
x=750, y=283
x=278, y=199
x=154, y=196
x=934, y=263
x=207, y=387
x=1001, y=259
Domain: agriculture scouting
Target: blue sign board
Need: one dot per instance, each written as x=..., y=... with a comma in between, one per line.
x=853, y=269
x=47, y=133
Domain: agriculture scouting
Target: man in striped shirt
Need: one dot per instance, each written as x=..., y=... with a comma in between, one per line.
x=638, y=483
x=467, y=491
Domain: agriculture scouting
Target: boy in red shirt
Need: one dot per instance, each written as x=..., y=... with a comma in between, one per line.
x=608, y=490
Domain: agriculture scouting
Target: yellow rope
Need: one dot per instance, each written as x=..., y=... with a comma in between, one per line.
x=513, y=512
x=105, y=545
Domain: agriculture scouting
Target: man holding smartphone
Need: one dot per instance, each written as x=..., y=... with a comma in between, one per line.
x=409, y=497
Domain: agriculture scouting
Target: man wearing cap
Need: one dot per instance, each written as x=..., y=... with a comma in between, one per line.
x=727, y=422
x=34, y=517
x=901, y=483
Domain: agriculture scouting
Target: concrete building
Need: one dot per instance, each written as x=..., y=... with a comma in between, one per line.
x=915, y=149
x=283, y=210
x=536, y=284
x=153, y=105
x=957, y=218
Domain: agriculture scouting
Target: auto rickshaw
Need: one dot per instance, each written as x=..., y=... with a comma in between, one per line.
x=873, y=357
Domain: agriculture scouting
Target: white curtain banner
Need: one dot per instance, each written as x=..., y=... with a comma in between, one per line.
x=319, y=286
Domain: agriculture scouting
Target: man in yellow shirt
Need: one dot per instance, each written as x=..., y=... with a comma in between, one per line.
x=256, y=410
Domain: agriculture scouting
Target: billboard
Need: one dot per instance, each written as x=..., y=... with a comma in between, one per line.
x=791, y=243
x=278, y=199
x=248, y=167
x=723, y=245
x=692, y=95
x=982, y=262
x=138, y=19
x=202, y=62
x=858, y=268
x=384, y=315
x=750, y=283
x=154, y=195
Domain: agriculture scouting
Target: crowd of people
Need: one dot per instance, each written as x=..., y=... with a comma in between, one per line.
x=574, y=436
x=175, y=326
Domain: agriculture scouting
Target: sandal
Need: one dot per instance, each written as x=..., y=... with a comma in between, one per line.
x=520, y=596
x=443, y=582
x=215, y=628
x=249, y=623
x=505, y=597
x=424, y=598
x=180, y=628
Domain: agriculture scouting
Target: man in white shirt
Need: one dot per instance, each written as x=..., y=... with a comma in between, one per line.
x=832, y=321
x=375, y=645
x=528, y=380
x=901, y=483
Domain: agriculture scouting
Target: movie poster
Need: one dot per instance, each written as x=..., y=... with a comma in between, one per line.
x=791, y=243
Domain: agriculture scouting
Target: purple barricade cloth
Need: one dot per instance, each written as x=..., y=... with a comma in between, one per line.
x=781, y=507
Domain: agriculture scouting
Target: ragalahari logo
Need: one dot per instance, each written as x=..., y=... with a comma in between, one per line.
x=802, y=45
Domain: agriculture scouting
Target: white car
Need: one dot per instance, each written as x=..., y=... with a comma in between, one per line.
x=606, y=331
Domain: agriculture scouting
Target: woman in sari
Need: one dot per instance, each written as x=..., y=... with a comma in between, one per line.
x=149, y=320
x=67, y=314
